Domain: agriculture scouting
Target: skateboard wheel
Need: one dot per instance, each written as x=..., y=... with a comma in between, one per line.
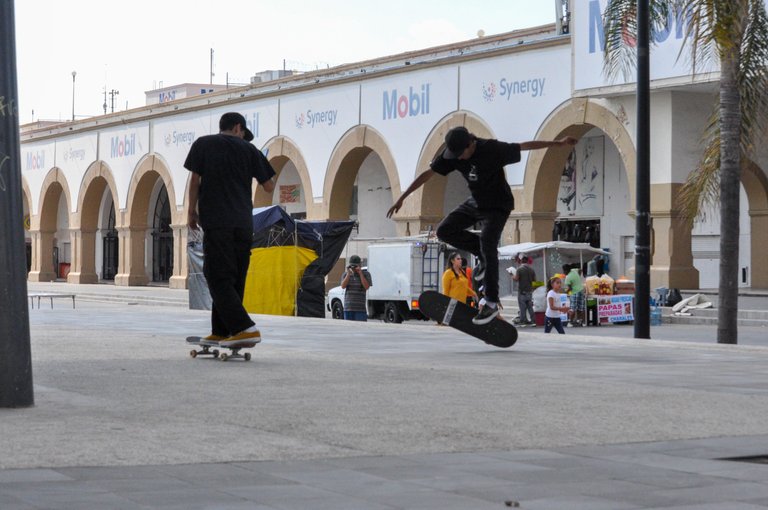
x=223, y=356
x=193, y=353
x=247, y=356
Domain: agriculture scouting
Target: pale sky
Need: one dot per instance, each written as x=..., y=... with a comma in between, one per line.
x=136, y=46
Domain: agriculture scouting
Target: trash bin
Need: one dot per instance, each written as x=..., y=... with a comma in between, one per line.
x=64, y=269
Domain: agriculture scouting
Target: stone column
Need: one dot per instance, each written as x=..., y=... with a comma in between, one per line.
x=672, y=254
x=759, y=234
x=83, y=256
x=534, y=227
x=42, y=257
x=180, y=262
x=131, y=269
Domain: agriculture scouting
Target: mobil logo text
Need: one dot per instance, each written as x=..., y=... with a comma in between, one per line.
x=122, y=146
x=397, y=105
x=35, y=160
x=675, y=25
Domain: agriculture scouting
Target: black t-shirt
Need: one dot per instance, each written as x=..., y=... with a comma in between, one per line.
x=227, y=166
x=484, y=172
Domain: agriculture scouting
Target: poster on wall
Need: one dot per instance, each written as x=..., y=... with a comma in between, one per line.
x=581, y=183
x=617, y=308
x=290, y=193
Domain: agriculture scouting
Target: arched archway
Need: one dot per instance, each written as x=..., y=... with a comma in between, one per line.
x=98, y=185
x=672, y=264
x=26, y=202
x=755, y=183
x=50, y=229
x=284, y=154
x=428, y=205
x=134, y=227
x=361, y=156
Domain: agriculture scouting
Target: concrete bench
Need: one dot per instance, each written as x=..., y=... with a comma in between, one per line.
x=48, y=295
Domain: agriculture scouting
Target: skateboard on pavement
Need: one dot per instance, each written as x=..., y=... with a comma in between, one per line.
x=446, y=310
x=208, y=348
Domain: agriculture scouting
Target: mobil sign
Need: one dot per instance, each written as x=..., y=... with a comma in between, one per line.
x=669, y=58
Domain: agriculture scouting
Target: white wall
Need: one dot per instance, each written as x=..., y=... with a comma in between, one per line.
x=374, y=198
x=289, y=176
x=62, y=232
x=706, y=245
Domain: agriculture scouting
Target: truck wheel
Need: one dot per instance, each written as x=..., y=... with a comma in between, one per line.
x=392, y=313
x=337, y=310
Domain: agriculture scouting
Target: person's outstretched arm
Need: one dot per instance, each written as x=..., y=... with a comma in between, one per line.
x=416, y=184
x=536, y=144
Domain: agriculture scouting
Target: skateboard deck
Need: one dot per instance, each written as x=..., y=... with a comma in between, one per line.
x=441, y=308
x=208, y=348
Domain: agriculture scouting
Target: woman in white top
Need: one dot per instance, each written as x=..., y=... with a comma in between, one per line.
x=554, y=310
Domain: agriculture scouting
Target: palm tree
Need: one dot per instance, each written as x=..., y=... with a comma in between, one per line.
x=735, y=33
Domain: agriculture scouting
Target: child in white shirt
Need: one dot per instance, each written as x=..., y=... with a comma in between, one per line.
x=554, y=310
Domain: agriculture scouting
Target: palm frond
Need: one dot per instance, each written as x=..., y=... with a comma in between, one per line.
x=702, y=187
x=620, y=22
x=753, y=76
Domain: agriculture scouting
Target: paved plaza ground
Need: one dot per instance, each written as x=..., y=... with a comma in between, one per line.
x=339, y=415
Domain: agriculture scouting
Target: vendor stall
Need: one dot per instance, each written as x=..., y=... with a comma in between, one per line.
x=548, y=259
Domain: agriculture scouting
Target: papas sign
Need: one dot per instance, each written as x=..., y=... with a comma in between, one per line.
x=617, y=308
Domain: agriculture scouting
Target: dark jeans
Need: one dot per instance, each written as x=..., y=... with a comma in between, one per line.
x=525, y=303
x=356, y=316
x=453, y=230
x=549, y=323
x=227, y=253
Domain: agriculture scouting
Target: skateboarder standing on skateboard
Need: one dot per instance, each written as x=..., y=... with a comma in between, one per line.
x=222, y=168
x=481, y=162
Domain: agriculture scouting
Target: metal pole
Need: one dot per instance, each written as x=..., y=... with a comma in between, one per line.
x=643, y=216
x=15, y=354
x=74, y=73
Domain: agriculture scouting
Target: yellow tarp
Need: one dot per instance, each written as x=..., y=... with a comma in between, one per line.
x=273, y=279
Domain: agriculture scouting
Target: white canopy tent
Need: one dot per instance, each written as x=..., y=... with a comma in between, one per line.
x=549, y=257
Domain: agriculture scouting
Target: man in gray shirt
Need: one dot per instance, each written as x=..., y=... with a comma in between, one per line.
x=356, y=282
x=525, y=276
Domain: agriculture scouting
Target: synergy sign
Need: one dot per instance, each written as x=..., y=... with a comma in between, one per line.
x=668, y=56
x=508, y=88
x=313, y=119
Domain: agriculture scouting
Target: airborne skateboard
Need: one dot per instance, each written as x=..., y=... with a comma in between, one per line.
x=446, y=310
x=234, y=348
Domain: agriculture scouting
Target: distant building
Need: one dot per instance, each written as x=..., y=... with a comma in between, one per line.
x=183, y=91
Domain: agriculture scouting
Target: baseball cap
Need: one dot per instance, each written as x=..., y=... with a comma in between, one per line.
x=355, y=259
x=230, y=119
x=456, y=142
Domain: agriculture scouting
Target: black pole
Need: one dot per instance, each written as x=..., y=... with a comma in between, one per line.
x=643, y=213
x=15, y=355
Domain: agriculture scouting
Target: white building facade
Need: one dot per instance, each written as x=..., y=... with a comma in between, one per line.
x=106, y=197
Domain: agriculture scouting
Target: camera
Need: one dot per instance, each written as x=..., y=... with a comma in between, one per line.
x=352, y=266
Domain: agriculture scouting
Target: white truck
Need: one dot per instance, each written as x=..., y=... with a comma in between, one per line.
x=400, y=271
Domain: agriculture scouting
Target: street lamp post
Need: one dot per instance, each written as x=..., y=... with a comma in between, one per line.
x=16, y=388
x=74, y=73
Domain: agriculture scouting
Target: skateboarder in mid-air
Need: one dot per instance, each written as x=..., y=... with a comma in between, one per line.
x=222, y=168
x=481, y=162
